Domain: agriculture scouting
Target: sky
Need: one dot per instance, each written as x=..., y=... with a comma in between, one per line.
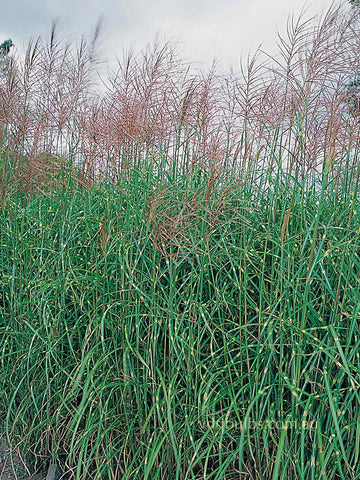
x=205, y=30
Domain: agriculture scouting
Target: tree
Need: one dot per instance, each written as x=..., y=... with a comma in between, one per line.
x=4, y=55
x=353, y=94
x=4, y=69
x=5, y=47
x=353, y=87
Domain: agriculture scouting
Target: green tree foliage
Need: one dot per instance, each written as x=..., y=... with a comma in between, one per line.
x=353, y=94
x=353, y=87
x=4, y=55
x=5, y=47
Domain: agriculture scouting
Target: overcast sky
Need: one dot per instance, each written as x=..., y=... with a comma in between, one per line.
x=206, y=29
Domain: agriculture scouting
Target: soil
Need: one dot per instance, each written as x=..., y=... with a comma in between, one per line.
x=13, y=467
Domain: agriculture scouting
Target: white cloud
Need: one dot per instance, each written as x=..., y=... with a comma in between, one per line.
x=206, y=28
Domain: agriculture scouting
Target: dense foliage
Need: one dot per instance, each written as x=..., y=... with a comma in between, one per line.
x=189, y=328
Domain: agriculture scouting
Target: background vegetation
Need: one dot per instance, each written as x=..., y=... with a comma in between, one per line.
x=179, y=296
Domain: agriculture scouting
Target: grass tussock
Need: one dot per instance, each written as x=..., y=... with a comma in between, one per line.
x=179, y=298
